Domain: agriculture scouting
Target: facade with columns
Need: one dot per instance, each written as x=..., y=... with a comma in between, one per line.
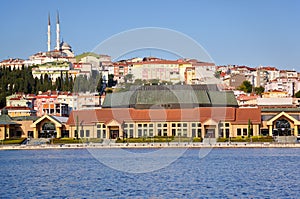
x=280, y=122
x=108, y=123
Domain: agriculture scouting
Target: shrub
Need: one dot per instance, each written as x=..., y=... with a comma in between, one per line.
x=222, y=140
x=197, y=139
x=13, y=141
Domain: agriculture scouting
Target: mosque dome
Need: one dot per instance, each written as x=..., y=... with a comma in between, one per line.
x=65, y=46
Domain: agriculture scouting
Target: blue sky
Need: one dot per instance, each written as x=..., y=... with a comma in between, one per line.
x=244, y=32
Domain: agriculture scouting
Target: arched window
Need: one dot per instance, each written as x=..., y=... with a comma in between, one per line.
x=282, y=124
x=48, y=126
x=283, y=128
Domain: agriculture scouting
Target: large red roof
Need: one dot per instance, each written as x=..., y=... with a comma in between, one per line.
x=89, y=117
x=243, y=115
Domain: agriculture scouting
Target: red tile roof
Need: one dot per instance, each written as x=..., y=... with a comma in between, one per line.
x=89, y=117
x=163, y=62
x=242, y=115
x=246, y=97
x=17, y=108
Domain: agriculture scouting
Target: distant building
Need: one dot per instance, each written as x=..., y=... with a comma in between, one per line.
x=275, y=94
x=262, y=75
x=247, y=100
x=166, y=70
x=52, y=69
x=20, y=111
x=98, y=62
x=290, y=85
x=62, y=53
x=20, y=99
x=12, y=63
x=47, y=103
x=287, y=102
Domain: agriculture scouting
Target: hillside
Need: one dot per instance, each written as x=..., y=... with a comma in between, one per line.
x=78, y=57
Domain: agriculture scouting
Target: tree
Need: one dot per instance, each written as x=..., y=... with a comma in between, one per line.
x=297, y=95
x=246, y=86
x=217, y=74
x=259, y=90
x=249, y=128
x=101, y=85
x=128, y=78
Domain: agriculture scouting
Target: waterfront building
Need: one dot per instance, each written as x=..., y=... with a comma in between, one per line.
x=187, y=111
x=280, y=122
x=205, y=122
x=8, y=127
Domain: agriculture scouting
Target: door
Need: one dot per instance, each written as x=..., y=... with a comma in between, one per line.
x=210, y=133
x=114, y=134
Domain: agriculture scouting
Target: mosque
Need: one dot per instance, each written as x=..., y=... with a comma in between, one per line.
x=61, y=47
x=61, y=53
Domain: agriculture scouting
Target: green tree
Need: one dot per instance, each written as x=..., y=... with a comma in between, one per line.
x=259, y=90
x=217, y=74
x=246, y=86
x=249, y=128
x=297, y=95
x=128, y=78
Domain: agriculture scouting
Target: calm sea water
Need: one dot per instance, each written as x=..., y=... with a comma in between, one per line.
x=223, y=173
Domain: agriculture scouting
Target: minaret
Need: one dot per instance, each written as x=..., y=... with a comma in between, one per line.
x=57, y=32
x=49, y=33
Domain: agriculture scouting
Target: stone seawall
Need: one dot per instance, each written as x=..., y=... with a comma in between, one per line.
x=150, y=145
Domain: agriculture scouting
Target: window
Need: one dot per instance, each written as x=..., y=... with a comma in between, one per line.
x=173, y=132
x=224, y=129
x=150, y=132
x=104, y=134
x=98, y=133
x=131, y=125
x=131, y=133
x=165, y=132
x=159, y=132
x=139, y=132
x=125, y=134
x=173, y=125
x=193, y=133
x=82, y=133
x=199, y=133
x=245, y=132
x=227, y=133
x=87, y=133
x=238, y=132
x=98, y=126
x=139, y=125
